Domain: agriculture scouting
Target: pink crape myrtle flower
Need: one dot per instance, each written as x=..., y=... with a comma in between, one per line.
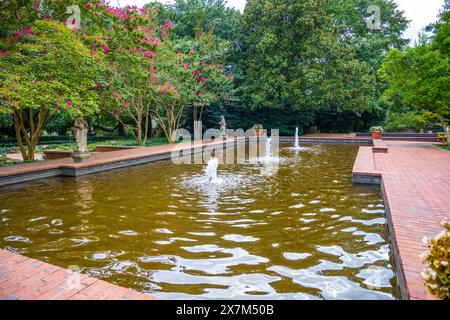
x=5, y=53
x=148, y=54
x=167, y=25
x=36, y=5
x=118, y=13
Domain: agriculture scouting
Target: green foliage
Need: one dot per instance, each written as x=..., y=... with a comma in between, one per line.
x=6, y=124
x=377, y=129
x=47, y=67
x=370, y=44
x=239, y=116
x=193, y=16
x=130, y=142
x=420, y=76
x=417, y=119
x=291, y=59
x=437, y=262
x=6, y=163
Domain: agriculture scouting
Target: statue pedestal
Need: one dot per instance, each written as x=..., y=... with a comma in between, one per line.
x=79, y=157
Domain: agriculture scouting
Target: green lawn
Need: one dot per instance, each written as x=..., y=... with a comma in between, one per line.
x=445, y=147
x=70, y=146
x=91, y=146
x=64, y=145
x=5, y=162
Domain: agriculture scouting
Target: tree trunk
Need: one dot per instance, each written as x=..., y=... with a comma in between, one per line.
x=149, y=125
x=139, y=129
x=29, y=137
x=447, y=134
x=121, y=129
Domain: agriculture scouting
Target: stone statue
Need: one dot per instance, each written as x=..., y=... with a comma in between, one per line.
x=80, y=131
x=223, y=127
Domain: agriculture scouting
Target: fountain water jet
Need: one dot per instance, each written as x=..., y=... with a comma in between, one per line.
x=297, y=142
x=269, y=148
x=211, y=169
x=297, y=146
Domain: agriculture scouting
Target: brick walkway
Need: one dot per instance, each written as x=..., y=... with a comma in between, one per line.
x=23, y=278
x=416, y=181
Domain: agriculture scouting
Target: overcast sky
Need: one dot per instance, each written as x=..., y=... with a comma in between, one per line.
x=420, y=12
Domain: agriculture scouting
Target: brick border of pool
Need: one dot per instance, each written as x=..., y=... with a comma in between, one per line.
x=23, y=278
x=104, y=161
x=123, y=158
x=407, y=211
x=415, y=184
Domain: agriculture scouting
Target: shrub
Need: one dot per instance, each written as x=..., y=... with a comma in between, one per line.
x=437, y=262
x=377, y=129
x=410, y=119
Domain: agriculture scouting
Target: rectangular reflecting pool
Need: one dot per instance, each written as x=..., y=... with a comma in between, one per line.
x=303, y=231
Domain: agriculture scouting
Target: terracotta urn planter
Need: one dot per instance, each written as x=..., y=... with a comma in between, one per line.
x=376, y=135
x=258, y=128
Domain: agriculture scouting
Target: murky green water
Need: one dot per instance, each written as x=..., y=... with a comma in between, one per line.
x=302, y=232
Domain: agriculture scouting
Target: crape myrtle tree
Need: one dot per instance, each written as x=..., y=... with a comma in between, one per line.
x=420, y=76
x=291, y=60
x=45, y=70
x=132, y=45
x=189, y=84
x=204, y=57
x=153, y=75
x=211, y=28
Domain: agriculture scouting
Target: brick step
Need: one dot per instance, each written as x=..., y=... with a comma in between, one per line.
x=379, y=146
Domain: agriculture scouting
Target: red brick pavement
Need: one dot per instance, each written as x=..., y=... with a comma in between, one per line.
x=23, y=278
x=416, y=179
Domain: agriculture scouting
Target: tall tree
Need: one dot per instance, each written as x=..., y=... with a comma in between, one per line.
x=371, y=27
x=291, y=59
x=192, y=16
x=45, y=69
x=420, y=76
